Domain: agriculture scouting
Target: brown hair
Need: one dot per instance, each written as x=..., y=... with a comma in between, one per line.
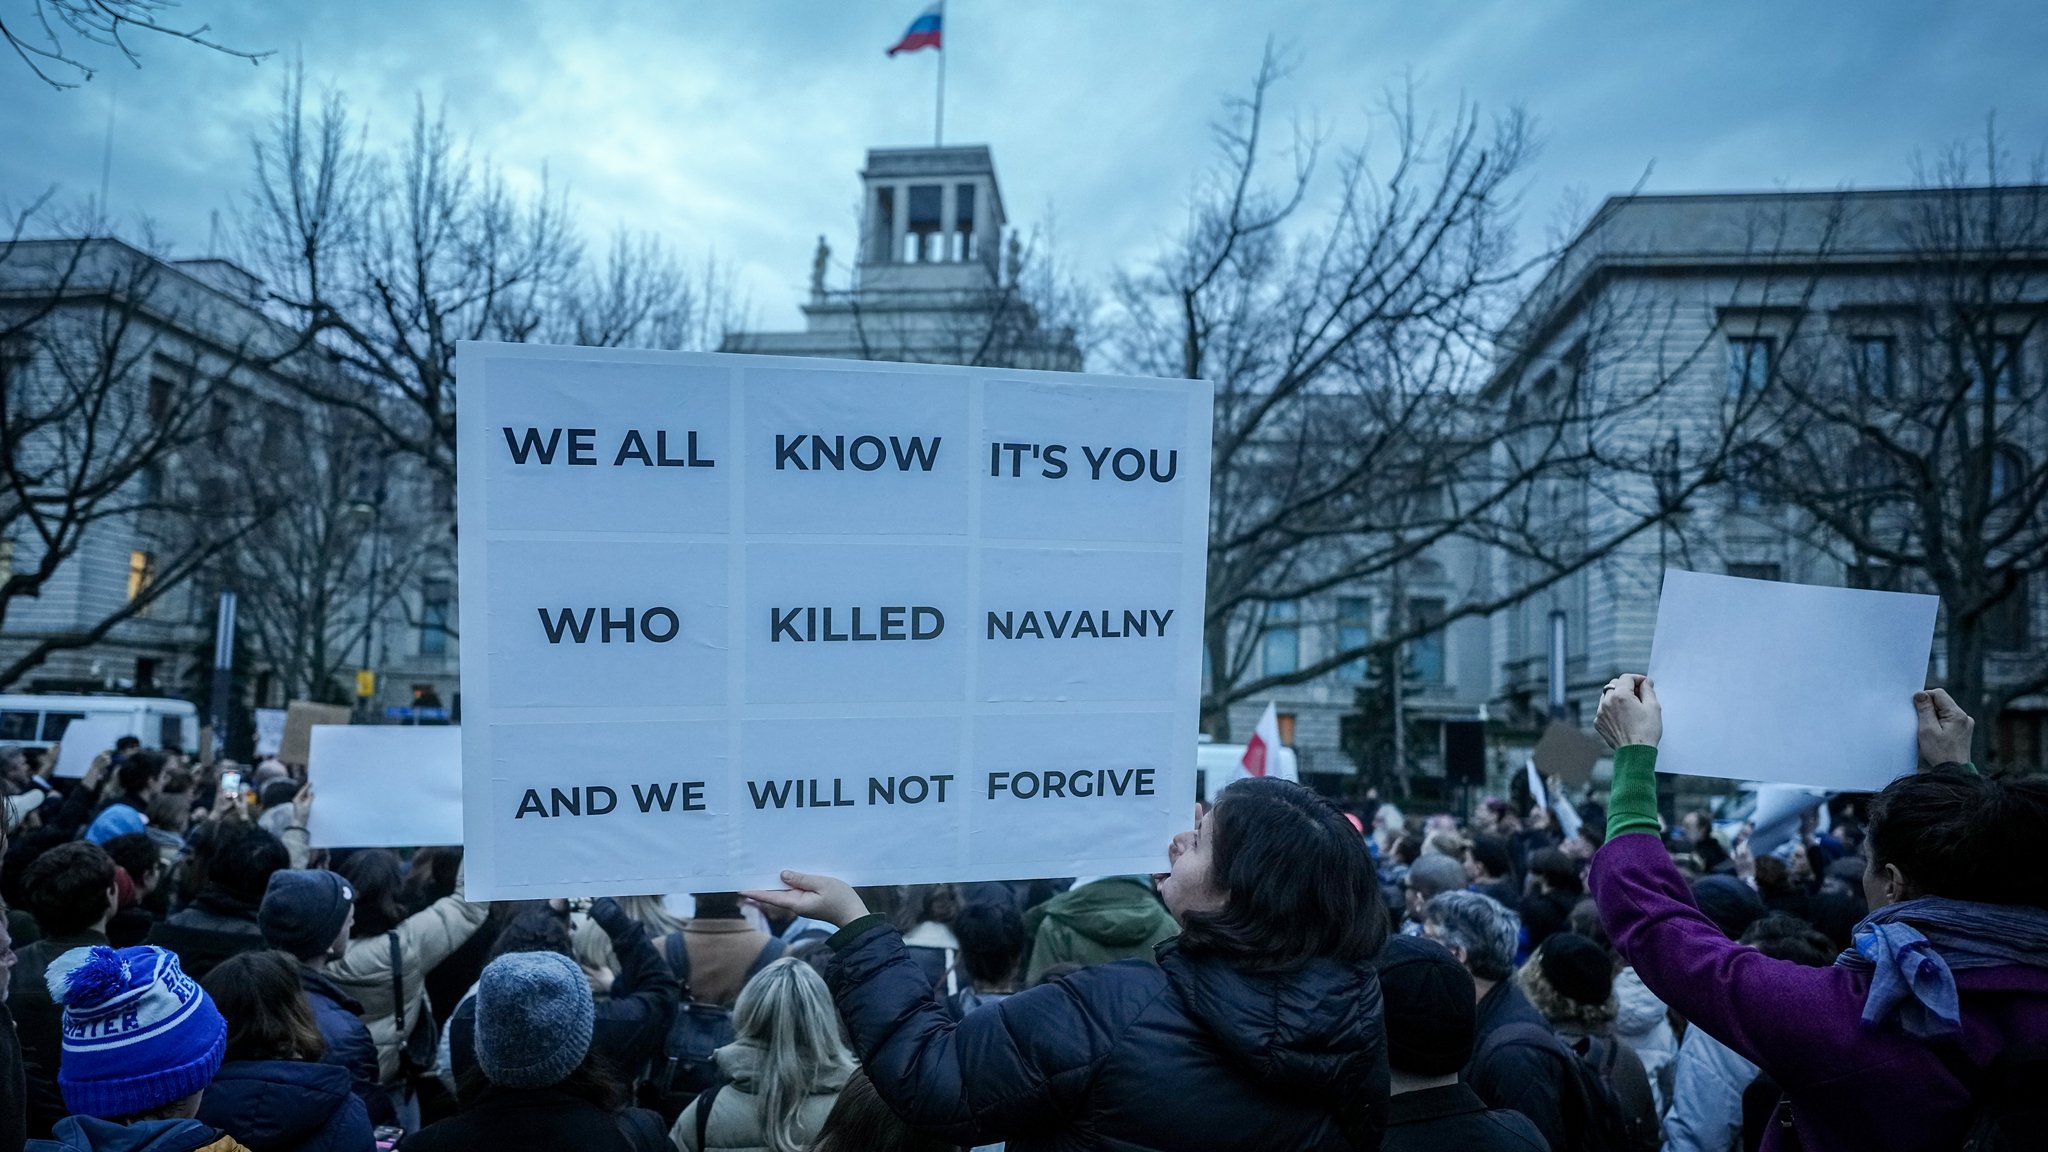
x=265, y=1006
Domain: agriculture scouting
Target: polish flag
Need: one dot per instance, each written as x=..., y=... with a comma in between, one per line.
x=1263, y=749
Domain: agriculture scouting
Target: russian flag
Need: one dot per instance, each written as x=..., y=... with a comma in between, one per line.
x=923, y=31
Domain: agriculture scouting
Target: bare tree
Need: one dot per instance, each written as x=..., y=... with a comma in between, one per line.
x=1350, y=342
x=55, y=35
x=319, y=575
x=114, y=414
x=1910, y=439
x=386, y=261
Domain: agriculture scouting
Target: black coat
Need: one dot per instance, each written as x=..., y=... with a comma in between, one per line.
x=13, y=1090
x=286, y=1106
x=1183, y=1056
x=349, y=1046
x=1528, y=1078
x=540, y=1120
x=1454, y=1119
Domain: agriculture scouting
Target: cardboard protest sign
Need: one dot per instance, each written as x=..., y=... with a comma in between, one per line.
x=1789, y=683
x=379, y=786
x=269, y=731
x=1568, y=753
x=85, y=738
x=300, y=718
x=726, y=615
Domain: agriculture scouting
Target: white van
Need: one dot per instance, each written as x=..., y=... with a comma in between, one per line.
x=1218, y=766
x=39, y=721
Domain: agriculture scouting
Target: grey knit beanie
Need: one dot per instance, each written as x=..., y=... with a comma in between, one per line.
x=534, y=1018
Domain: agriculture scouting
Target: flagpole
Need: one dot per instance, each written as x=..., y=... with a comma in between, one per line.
x=939, y=120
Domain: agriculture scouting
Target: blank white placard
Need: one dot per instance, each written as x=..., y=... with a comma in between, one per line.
x=377, y=786
x=1788, y=683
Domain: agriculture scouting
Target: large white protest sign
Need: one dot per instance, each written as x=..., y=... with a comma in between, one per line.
x=725, y=615
x=385, y=786
x=85, y=738
x=1789, y=683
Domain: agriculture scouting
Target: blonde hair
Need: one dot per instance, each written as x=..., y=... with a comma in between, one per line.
x=593, y=947
x=786, y=1011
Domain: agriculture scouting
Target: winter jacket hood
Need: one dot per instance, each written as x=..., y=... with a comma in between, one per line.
x=92, y=1134
x=741, y=1064
x=286, y=1105
x=1310, y=1035
x=1118, y=911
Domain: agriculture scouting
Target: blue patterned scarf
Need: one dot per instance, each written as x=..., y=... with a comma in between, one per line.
x=1913, y=949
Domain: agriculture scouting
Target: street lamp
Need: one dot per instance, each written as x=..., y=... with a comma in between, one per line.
x=369, y=504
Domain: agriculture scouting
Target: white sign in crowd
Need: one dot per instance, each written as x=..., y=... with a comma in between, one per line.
x=724, y=615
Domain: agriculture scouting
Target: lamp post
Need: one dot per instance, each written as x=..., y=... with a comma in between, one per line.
x=369, y=504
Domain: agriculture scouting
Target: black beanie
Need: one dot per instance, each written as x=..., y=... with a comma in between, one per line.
x=1732, y=905
x=1431, y=1012
x=1577, y=968
x=303, y=911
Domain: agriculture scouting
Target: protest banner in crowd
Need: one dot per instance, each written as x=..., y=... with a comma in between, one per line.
x=385, y=786
x=269, y=732
x=85, y=738
x=295, y=744
x=728, y=614
x=1819, y=677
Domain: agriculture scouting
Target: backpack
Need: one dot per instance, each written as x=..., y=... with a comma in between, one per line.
x=1594, y=1118
x=688, y=1063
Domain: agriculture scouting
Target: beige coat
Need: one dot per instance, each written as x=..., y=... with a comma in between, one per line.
x=425, y=939
x=736, y=1124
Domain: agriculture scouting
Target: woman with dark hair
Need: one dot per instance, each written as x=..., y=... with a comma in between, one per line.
x=1259, y=1028
x=1886, y=1048
x=273, y=1094
x=385, y=967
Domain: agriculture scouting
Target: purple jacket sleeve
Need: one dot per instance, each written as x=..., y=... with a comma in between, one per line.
x=1797, y=1023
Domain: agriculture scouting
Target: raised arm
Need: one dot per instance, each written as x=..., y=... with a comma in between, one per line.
x=1757, y=1006
x=1008, y=1070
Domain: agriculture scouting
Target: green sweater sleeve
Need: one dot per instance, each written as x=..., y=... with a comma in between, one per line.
x=1632, y=803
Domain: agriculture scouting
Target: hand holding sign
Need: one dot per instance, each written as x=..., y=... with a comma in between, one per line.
x=1945, y=729
x=1629, y=712
x=826, y=898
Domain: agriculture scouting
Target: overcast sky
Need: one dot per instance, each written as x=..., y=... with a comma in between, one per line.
x=737, y=128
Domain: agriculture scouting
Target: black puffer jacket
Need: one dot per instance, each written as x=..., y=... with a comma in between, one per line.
x=1185, y=1056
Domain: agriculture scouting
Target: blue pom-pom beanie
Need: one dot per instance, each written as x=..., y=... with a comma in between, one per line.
x=139, y=1034
x=534, y=1019
x=117, y=820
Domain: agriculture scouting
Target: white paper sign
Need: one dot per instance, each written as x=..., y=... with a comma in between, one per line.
x=1789, y=683
x=385, y=786
x=87, y=737
x=269, y=731
x=905, y=623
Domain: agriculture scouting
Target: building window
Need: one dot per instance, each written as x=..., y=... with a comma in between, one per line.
x=223, y=424
x=963, y=220
x=2008, y=472
x=6, y=562
x=1749, y=478
x=1354, y=630
x=1873, y=366
x=141, y=574
x=1426, y=653
x=1873, y=577
x=434, y=605
x=2008, y=623
x=162, y=390
x=1756, y=571
x=1280, y=646
x=2004, y=352
x=1749, y=365
x=882, y=229
x=927, y=220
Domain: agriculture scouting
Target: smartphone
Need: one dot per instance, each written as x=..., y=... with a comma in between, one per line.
x=231, y=783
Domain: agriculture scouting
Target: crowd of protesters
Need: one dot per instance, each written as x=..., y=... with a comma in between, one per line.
x=188, y=974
